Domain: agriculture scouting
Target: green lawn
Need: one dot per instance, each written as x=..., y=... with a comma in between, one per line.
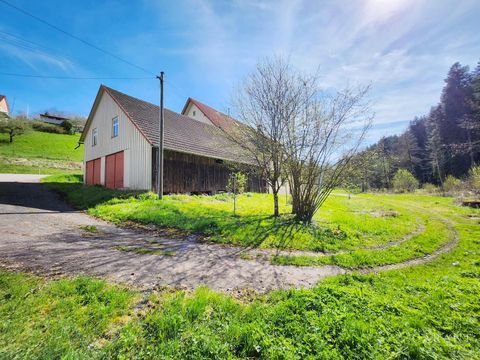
x=40, y=152
x=362, y=231
x=425, y=312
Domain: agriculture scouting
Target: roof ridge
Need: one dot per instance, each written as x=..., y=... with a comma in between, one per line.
x=109, y=89
x=182, y=133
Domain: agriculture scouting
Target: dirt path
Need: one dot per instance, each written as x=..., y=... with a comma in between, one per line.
x=42, y=234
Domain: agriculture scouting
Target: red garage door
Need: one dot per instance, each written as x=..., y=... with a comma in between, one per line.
x=114, y=170
x=92, y=172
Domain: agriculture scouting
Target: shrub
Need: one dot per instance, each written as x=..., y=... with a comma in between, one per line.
x=67, y=126
x=474, y=178
x=48, y=128
x=240, y=182
x=451, y=184
x=430, y=188
x=404, y=181
x=148, y=196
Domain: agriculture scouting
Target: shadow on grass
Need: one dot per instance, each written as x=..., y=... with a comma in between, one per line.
x=83, y=196
x=215, y=224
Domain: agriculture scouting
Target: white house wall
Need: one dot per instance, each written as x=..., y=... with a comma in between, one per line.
x=3, y=106
x=199, y=116
x=137, y=151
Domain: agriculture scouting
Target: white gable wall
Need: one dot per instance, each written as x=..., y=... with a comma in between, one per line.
x=3, y=106
x=199, y=116
x=137, y=150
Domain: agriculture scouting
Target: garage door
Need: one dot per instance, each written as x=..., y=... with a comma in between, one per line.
x=114, y=170
x=92, y=172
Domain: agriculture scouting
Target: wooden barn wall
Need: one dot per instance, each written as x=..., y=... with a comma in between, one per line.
x=187, y=173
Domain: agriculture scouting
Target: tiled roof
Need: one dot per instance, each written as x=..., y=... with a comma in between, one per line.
x=219, y=119
x=182, y=133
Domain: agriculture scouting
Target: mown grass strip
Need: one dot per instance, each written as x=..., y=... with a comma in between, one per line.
x=435, y=234
x=144, y=250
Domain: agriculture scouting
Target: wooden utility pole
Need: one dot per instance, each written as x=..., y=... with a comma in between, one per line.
x=160, y=141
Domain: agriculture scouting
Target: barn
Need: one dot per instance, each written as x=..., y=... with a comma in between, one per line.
x=121, y=148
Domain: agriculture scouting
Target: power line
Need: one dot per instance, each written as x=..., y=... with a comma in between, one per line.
x=74, y=77
x=75, y=37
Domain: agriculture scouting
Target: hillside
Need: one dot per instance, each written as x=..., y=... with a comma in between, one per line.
x=40, y=152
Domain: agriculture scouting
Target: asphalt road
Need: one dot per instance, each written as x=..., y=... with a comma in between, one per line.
x=41, y=234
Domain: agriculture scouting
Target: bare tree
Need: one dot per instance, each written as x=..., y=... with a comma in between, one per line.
x=266, y=103
x=298, y=133
x=320, y=142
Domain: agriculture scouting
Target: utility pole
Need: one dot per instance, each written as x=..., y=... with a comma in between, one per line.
x=160, y=141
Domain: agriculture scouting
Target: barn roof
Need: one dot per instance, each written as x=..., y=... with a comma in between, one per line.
x=182, y=133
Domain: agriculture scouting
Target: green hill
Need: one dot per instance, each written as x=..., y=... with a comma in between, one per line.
x=40, y=152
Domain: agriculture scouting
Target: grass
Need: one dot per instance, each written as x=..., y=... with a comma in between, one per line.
x=425, y=312
x=7, y=168
x=41, y=145
x=341, y=229
x=429, y=311
x=58, y=319
x=39, y=152
x=92, y=229
x=145, y=250
x=359, y=232
x=82, y=197
x=435, y=234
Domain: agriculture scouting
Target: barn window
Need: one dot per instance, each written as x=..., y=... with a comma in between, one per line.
x=194, y=113
x=94, y=137
x=115, y=126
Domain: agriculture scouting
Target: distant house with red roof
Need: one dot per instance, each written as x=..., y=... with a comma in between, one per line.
x=4, y=108
x=206, y=114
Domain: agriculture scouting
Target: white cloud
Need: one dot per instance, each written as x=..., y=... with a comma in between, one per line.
x=34, y=58
x=403, y=47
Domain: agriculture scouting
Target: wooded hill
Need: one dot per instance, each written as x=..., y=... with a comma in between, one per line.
x=444, y=142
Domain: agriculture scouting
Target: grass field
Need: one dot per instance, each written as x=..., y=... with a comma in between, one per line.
x=40, y=152
x=359, y=232
x=430, y=311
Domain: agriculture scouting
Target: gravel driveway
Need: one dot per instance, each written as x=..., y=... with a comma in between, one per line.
x=42, y=234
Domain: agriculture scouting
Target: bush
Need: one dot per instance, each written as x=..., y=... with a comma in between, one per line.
x=430, y=188
x=474, y=178
x=240, y=183
x=148, y=196
x=404, y=181
x=451, y=184
x=67, y=126
x=48, y=128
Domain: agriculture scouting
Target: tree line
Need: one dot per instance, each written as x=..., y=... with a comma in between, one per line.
x=441, y=144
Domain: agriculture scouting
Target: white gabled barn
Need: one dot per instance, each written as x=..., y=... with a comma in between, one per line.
x=121, y=148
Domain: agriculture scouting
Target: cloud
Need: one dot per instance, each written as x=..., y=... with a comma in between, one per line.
x=399, y=46
x=32, y=56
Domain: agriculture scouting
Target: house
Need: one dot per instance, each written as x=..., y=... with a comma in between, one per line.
x=52, y=119
x=4, y=108
x=204, y=113
x=121, y=138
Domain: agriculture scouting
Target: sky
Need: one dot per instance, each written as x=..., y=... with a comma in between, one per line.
x=403, y=48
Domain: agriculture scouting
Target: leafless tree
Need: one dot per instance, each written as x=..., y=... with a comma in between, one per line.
x=266, y=103
x=298, y=133
x=321, y=141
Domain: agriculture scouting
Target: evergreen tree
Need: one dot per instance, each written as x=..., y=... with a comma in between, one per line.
x=435, y=146
x=455, y=103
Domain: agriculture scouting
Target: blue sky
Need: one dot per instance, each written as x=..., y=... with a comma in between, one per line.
x=404, y=48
